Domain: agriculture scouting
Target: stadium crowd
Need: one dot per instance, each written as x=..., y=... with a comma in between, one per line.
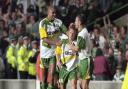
x=20, y=38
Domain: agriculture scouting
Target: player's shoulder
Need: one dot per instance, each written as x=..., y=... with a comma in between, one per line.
x=43, y=20
x=57, y=21
x=83, y=31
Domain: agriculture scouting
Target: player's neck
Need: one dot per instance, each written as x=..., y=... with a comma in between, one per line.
x=50, y=19
x=80, y=28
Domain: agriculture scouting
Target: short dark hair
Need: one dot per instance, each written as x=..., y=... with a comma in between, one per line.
x=99, y=52
x=82, y=18
x=51, y=7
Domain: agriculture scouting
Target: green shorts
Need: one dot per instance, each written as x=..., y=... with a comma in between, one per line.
x=65, y=75
x=47, y=61
x=85, y=68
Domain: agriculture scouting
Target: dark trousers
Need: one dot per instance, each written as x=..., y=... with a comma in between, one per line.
x=31, y=76
x=11, y=72
x=101, y=77
x=23, y=74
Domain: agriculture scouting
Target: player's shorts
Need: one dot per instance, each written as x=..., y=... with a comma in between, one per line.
x=65, y=75
x=84, y=68
x=47, y=61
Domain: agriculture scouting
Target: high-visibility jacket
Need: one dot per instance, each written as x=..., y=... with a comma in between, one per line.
x=11, y=55
x=32, y=62
x=23, y=57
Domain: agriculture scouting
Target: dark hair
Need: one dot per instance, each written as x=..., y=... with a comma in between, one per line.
x=51, y=7
x=99, y=52
x=31, y=9
x=82, y=18
x=20, y=7
x=98, y=29
x=117, y=27
x=125, y=29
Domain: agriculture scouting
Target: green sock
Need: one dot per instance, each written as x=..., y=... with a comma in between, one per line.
x=50, y=87
x=43, y=86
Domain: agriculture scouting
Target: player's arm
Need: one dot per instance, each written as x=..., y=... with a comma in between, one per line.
x=80, y=44
x=58, y=52
x=63, y=28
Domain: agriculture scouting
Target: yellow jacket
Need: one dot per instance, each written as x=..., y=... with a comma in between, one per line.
x=23, y=57
x=32, y=65
x=11, y=55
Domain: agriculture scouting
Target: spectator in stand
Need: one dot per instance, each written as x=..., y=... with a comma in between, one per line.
x=119, y=75
x=121, y=60
x=11, y=56
x=115, y=40
x=98, y=37
x=23, y=57
x=32, y=60
x=101, y=67
x=2, y=68
x=124, y=38
x=112, y=62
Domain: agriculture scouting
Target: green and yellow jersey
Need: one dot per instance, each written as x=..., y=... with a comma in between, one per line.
x=51, y=30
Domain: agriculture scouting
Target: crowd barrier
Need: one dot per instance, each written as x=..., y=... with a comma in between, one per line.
x=35, y=84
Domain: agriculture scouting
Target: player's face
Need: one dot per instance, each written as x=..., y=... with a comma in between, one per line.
x=51, y=14
x=72, y=34
x=77, y=22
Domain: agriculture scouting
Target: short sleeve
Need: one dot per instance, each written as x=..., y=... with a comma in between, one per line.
x=63, y=28
x=58, y=50
x=42, y=31
x=81, y=43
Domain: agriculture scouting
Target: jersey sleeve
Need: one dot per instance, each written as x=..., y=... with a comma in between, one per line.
x=58, y=50
x=63, y=28
x=81, y=42
x=42, y=31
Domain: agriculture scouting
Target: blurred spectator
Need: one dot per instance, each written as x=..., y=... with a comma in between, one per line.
x=32, y=60
x=101, y=67
x=124, y=38
x=98, y=37
x=26, y=4
x=115, y=40
x=121, y=60
x=119, y=75
x=23, y=56
x=11, y=56
x=94, y=48
x=20, y=42
x=30, y=26
x=2, y=68
x=105, y=4
x=112, y=62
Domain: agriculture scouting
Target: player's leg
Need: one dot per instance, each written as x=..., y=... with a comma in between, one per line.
x=83, y=70
x=44, y=63
x=51, y=72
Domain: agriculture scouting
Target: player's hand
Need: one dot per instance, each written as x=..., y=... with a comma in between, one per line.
x=59, y=63
x=58, y=43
